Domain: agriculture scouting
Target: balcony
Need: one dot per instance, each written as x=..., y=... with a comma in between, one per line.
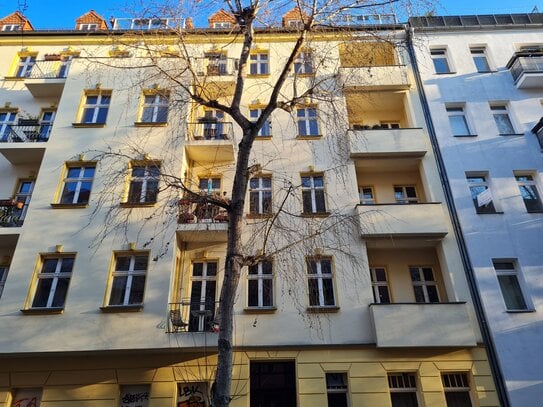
x=389, y=77
x=422, y=325
x=22, y=144
x=210, y=140
x=388, y=142
x=202, y=221
x=192, y=316
x=148, y=24
x=402, y=220
x=11, y=213
x=47, y=78
x=527, y=70
x=215, y=64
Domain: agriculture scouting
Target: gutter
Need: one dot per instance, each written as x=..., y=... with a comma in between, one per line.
x=492, y=354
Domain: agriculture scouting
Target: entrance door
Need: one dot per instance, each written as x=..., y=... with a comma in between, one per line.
x=273, y=384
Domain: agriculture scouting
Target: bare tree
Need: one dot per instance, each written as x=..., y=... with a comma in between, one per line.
x=285, y=92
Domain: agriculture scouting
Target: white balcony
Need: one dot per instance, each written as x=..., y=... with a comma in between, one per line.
x=387, y=142
x=402, y=220
x=422, y=325
x=47, y=78
x=210, y=141
x=527, y=70
x=199, y=221
x=390, y=77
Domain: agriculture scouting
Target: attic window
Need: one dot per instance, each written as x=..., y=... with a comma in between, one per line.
x=88, y=27
x=222, y=24
x=11, y=27
x=296, y=24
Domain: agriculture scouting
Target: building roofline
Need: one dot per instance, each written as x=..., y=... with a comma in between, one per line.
x=477, y=22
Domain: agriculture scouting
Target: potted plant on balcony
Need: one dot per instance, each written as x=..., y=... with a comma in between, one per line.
x=52, y=57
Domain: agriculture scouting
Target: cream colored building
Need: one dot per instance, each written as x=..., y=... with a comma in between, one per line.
x=110, y=278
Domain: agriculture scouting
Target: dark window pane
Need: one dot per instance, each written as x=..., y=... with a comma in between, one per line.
x=307, y=202
x=118, y=288
x=140, y=263
x=512, y=293
x=49, y=265
x=60, y=292
x=337, y=400
x=68, y=193
x=320, y=202
x=42, y=292
x=253, y=293
x=384, y=296
x=123, y=263
x=73, y=172
x=328, y=288
x=136, y=290
x=313, y=292
x=458, y=399
x=404, y=399
x=432, y=293
x=84, y=192
x=267, y=292
x=67, y=265
x=419, y=293
x=211, y=269
x=428, y=274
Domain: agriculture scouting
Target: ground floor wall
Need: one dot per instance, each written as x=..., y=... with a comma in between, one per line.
x=158, y=379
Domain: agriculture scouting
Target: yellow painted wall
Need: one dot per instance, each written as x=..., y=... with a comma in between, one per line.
x=383, y=183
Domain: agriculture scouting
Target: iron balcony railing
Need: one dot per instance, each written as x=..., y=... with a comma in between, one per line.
x=526, y=64
x=36, y=133
x=11, y=213
x=55, y=69
x=192, y=315
x=196, y=210
x=215, y=65
x=208, y=129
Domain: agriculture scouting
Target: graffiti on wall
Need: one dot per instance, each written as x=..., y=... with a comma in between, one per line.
x=193, y=395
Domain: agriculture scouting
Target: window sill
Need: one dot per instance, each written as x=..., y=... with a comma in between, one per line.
x=150, y=124
x=305, y=75
x=81, y=125
x=510, y=134
x=258, y=75
x=137, y=204
x=259, y=215
x=535, y=211
x=490, y=213
x=519, y=311
x=15, y=78
x=43, y=311
x=487, y=71
x=70, y=206
x=263, y=138
x=262, y=310
x=445, y=73
x=315, y=137
x=325, y=309
x=121, y=308
x=464, y=135
x=316, y=215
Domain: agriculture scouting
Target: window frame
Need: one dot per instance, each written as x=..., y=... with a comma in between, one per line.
x=10, y=119
x=411, y=377
x=87, y=27
x=303, y=64
x=513, y=271
x=376, y=284
x=11, y=27
x=307, y=122
x=266, y=130
x=202, y=306
x=529, y=184
x=260, y=61
x=405, y=198
x=505, y=115
x=362, y=194
x=129, y=274
x=441, y=54
x=476, y=181
x=25, y=64
x=151, y=173
x=260, y=277
x=343, y=388
x=158, y=107
x=313, y=190
x=96, y=108
x=79, y=180
x=320, y=278
x=261, y=193
x=458, y=111
x=475, y=52
x=424, y=284
x=461, y=385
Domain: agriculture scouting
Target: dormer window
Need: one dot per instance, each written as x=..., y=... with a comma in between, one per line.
x=88, y=27
x=222, y=24
x=11, y=27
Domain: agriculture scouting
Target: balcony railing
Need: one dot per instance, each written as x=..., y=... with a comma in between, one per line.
x=197, y=210
x=154, y=23
x=215, y=66
x=26, y=133
x=191, y=315
x=11, y=213
x=55, y=69
x=210, y=130
x=526, y=64
x=356, y=19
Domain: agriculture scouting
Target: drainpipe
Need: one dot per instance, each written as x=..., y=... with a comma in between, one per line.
x=492, y=354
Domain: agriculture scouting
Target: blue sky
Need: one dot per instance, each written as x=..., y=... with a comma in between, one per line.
x=62, y=13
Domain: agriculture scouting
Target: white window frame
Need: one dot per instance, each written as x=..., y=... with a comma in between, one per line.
x=305, y=117
x=65, y=63
x=511, y=269
x=222, y=24
x=362, y=193
x=211, y=188
x=129, y=274
x=11, y=27
x=402, y=382
x=441, y=53
x=260, y=62
x=3, y=277
x=424, y=284
x=204, y=278
x=479, y=52
x=338, y=389
x=527, y=181
x=377, y=284
x=265, y=131
x=25, y=65
x=456, y=382
x=151, y=173
x=303, y=64
x=95, y=107
x=260, y=277
x=320, y=276
x=78, y=180
x=88, y=27
x=312, y=189
x=55, y=276
x=458, y=111
x=24, y=197
x=260, y=191
x=481, y=182
x=404, y=199
x=159, y=103
x=502, y=110
x=9, y=119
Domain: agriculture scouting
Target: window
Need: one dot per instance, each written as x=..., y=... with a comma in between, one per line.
x=456, y=387
x=260, y=195
x=3, y=277
x=95, y=108
x=389, y=125
x=216, y=63
x=87, y=27
x=337, y=389
x=502, y=119
x=213, y=125
x=260, y=285
x=321, y=286
x=379, y=284
x=25, y=187
x=27, y=397
x=6, y=120
x=144, y=183
x=65, y=63
x=52, y=281
x=135, y=395
x=11, y=27
x=307, y=119
x=128, y=279
x=273, y=383
x=209, y=186
x=77, y=184
x=222, y=24
x=479, y=59
x=202, y=296
x=155, y=108
x=403, y=389
x=439, y=58
x=367, y=197
x=424, y=284
x=508, y=278
x=481, y=194
x=259, y=64
x=405, y=194
x=458, y=121
x=25, y=65
x=303, y=64
x=313, y=194
x=529, y=192
x=46, y=123
x=265, y=131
